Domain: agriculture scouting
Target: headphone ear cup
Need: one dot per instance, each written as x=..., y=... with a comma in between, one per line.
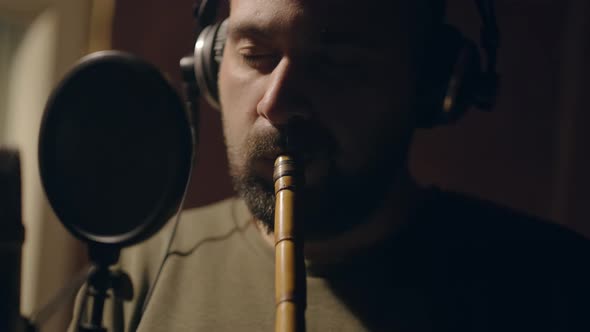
x=448, y=78
x=208, y=54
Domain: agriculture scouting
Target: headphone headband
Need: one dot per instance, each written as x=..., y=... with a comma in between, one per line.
x=205, y=12
x=475, y=86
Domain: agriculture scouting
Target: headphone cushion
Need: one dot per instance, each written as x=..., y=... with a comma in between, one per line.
x=208, y=54
x=447, y=77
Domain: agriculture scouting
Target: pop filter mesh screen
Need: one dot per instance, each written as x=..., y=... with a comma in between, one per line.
x=115, y=151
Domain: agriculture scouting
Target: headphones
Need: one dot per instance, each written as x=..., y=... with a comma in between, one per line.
x=451, y=80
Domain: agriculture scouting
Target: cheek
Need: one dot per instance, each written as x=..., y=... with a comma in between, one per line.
x=364, y=119
x=239, y=95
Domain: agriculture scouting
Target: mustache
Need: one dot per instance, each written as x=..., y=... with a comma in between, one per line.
x=305, y=138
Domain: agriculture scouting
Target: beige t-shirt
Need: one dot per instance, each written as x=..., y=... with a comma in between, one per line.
x=460, y=264
x=218, y=277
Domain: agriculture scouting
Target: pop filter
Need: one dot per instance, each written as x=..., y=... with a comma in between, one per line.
x=115, y=149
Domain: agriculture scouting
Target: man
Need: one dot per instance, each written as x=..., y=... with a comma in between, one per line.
x=382, y=254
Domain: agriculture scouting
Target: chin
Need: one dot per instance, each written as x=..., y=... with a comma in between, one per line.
x=333, y=202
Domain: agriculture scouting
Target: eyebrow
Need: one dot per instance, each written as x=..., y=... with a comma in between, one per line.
x=251, y=30
x=326, y=37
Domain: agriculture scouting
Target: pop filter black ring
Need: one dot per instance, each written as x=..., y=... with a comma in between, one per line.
x=174, y=184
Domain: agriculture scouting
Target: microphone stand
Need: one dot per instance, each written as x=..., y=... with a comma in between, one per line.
x=62, y=297
x=97, y=72
x=100, y=281
x=12, y=236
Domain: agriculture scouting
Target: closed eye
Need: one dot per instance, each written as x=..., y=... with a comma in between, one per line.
x=260, y=61
x=256, y=54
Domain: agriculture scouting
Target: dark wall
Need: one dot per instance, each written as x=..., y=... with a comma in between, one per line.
x=506, y=155
x=162, y=32
x=528, y=154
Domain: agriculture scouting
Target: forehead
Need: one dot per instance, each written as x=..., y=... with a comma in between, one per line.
x=311, y=16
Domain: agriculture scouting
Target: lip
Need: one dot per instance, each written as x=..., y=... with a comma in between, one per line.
x=307, y=157
x=315, y=165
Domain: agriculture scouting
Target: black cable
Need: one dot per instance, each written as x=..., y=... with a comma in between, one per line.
x=205, y=12
x=169, y=244
x=191, y=97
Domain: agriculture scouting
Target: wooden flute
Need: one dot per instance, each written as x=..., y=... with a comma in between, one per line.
x=290, y=284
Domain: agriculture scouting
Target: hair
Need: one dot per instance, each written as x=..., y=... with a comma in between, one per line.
x=438, y=9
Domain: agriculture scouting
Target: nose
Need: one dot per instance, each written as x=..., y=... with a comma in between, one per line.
x=284, y=99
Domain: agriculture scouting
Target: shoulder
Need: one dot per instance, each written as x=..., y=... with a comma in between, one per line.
x=218, y=211
x=143, y=261
x=472, y=217
x=511, y=260
x=494, y=236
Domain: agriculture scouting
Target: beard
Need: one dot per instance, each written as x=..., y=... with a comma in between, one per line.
x=338, y=201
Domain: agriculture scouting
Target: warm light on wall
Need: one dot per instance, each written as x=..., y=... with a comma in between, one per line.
x=39, y=42
x=101, y=25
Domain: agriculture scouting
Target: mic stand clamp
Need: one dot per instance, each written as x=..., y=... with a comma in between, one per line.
x=100, y=282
